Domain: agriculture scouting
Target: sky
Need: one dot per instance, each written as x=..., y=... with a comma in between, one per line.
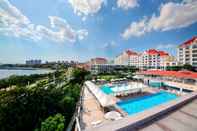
x=53, y=30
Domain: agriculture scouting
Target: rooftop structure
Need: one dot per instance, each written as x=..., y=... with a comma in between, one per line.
x=177, y=74
x=179, y=80
x=103, y=99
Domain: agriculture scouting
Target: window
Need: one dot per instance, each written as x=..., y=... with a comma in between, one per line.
x=194, y=59
x=194, y=51
x=194, y=46
x=194, y=63
x=194, y=55
x=187, y=48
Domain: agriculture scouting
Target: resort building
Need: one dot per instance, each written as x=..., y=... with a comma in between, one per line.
x=154, y=59
x=128, y=57
x=168, y=61
x=134, y=60
x=186, y=80
x=187, y=52
x=150, y=59
x=85, y=66
x=98, y=60
x=105, y=68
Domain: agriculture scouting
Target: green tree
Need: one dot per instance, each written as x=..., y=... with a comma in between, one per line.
x=188, y=67
x=53, y=123
x=23, y=108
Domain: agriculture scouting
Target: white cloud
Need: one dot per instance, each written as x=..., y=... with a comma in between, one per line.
x=65, y=31
x=109, y=45
x=135, y=29
x=165, y=46
x=127, y=4
x=172, y=16
x=14, y=23
x=86, y=7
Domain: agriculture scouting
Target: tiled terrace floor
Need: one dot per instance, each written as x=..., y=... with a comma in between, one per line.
x=184, y=119
x=92, y=112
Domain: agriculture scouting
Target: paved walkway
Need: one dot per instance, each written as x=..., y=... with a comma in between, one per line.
x=184, y=119
x=92, y=113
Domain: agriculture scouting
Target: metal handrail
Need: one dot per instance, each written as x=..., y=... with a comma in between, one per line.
x=76, y=115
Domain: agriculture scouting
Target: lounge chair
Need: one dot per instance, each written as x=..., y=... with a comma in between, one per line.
x=96, y=123
x=86, y=110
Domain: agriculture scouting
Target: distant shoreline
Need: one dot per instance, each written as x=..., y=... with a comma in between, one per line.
x=23, y=68
x=7, y=72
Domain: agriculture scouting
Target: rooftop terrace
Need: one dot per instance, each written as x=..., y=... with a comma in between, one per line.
x=139, y=120
x=171, y=116
x=184, y=119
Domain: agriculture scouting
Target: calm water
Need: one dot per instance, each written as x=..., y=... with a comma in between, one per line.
x=6, y=73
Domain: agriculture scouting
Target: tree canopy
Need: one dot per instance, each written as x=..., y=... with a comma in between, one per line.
x=29, y=108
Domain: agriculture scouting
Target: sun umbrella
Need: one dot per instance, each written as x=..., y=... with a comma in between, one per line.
x=112, y=115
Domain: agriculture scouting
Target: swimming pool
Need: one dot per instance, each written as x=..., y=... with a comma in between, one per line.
x=106, y=89
x=113, y=89
x=140, y=104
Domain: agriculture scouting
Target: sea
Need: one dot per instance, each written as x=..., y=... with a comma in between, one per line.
x=4, y=73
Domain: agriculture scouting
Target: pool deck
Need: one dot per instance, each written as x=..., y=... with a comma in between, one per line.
x=140, y=119
x=92, y=112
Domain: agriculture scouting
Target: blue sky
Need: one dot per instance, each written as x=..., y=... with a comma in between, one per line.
x=81, y=29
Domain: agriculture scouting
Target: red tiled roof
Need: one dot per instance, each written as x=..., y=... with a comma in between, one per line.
x=152, y=51
x=156, y=52
x=188, y=42
x=163, y=53
x=100, y=58
x=178, y=74
x=129, y=52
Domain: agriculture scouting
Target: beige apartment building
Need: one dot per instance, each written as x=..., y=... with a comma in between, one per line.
x=128, y=57
x=154, y=59
x=150, y=59
x=187, y=52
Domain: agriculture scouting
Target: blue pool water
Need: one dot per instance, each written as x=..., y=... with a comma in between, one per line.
x=140, y=104
x=106, y=89
x=111, y=89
